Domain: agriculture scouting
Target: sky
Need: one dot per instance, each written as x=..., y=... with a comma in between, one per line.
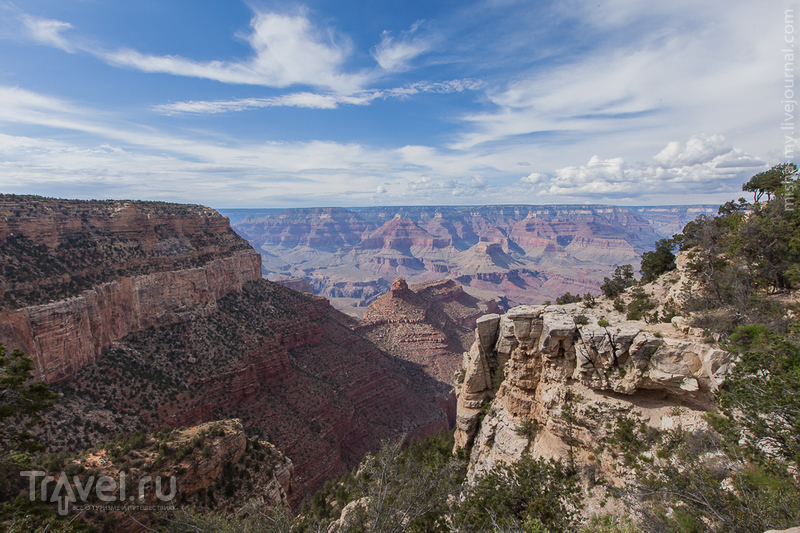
x=395, y=102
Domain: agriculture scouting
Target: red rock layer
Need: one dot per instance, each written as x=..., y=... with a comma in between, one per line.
x=76, y=276
x=286, y=363
x=429, y=324
x=66, y=335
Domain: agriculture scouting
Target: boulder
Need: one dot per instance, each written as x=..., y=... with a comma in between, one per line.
x=487, y=331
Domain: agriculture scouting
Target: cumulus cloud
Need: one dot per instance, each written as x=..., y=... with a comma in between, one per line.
x=533, y=178
x=698, y=150
x=703, y=164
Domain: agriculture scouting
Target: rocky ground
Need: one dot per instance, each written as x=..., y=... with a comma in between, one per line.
x=570, y=382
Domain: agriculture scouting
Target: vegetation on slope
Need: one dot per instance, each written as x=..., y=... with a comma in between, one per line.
x=35, y=269
x=737, y=475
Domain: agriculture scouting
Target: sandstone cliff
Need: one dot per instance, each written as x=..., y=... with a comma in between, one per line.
x=51, y=249
x=66, y=335
x=542, y=380
x=96, y=271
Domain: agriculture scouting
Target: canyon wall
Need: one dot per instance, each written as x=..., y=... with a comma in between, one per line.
x=97, y=271
x=143, y=315
x=293, y=369
x=529, y=254
x=65, y=335
x=541, y=380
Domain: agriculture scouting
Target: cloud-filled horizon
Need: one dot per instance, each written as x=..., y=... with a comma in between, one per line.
x=354, y=104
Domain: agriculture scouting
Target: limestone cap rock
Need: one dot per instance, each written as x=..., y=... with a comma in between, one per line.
x=399, y=287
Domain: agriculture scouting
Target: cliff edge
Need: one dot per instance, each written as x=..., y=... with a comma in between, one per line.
x=556, y=381
x=76, y=276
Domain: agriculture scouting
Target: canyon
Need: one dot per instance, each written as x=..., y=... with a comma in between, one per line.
x=172, y=325
x=520, y=254
x=144, y=314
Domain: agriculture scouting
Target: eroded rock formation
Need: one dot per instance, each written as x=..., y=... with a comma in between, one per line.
x=530, y=254
x=529, y=367
x=158, y=314
x=66, y=335
x=207, y=473
x=428, y=323
x=76, y=276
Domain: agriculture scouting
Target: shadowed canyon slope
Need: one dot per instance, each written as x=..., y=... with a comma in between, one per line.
x=430, y=324
x=528, y=253
x=149, y=314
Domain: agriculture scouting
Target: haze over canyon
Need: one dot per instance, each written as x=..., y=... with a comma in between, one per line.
x=515, y=253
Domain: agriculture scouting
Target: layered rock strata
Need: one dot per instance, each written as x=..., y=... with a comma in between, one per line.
x=530, y=254
x=428, y=323
x=527, y=366
x=75, y=276
x=66, y=335
x=144, y=315
x=284, y=362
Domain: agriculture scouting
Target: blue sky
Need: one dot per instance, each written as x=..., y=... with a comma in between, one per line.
x=276, y=104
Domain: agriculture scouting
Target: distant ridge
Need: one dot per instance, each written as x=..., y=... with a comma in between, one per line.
x=351, y=255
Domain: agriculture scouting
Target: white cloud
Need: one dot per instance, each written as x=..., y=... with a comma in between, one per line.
x=47, y=31
x=395, y=55
x=704, y=164
x=303, y=99
x=533, y=178
x=698, y=150
x=442, y=87
x=287, y=50
x=318, y=100
x=645, y=81
x=478, y=182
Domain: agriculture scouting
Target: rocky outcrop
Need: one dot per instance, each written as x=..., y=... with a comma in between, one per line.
x=202, y=460
x=527, y=365
x=65, y=335
x=429, y=324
